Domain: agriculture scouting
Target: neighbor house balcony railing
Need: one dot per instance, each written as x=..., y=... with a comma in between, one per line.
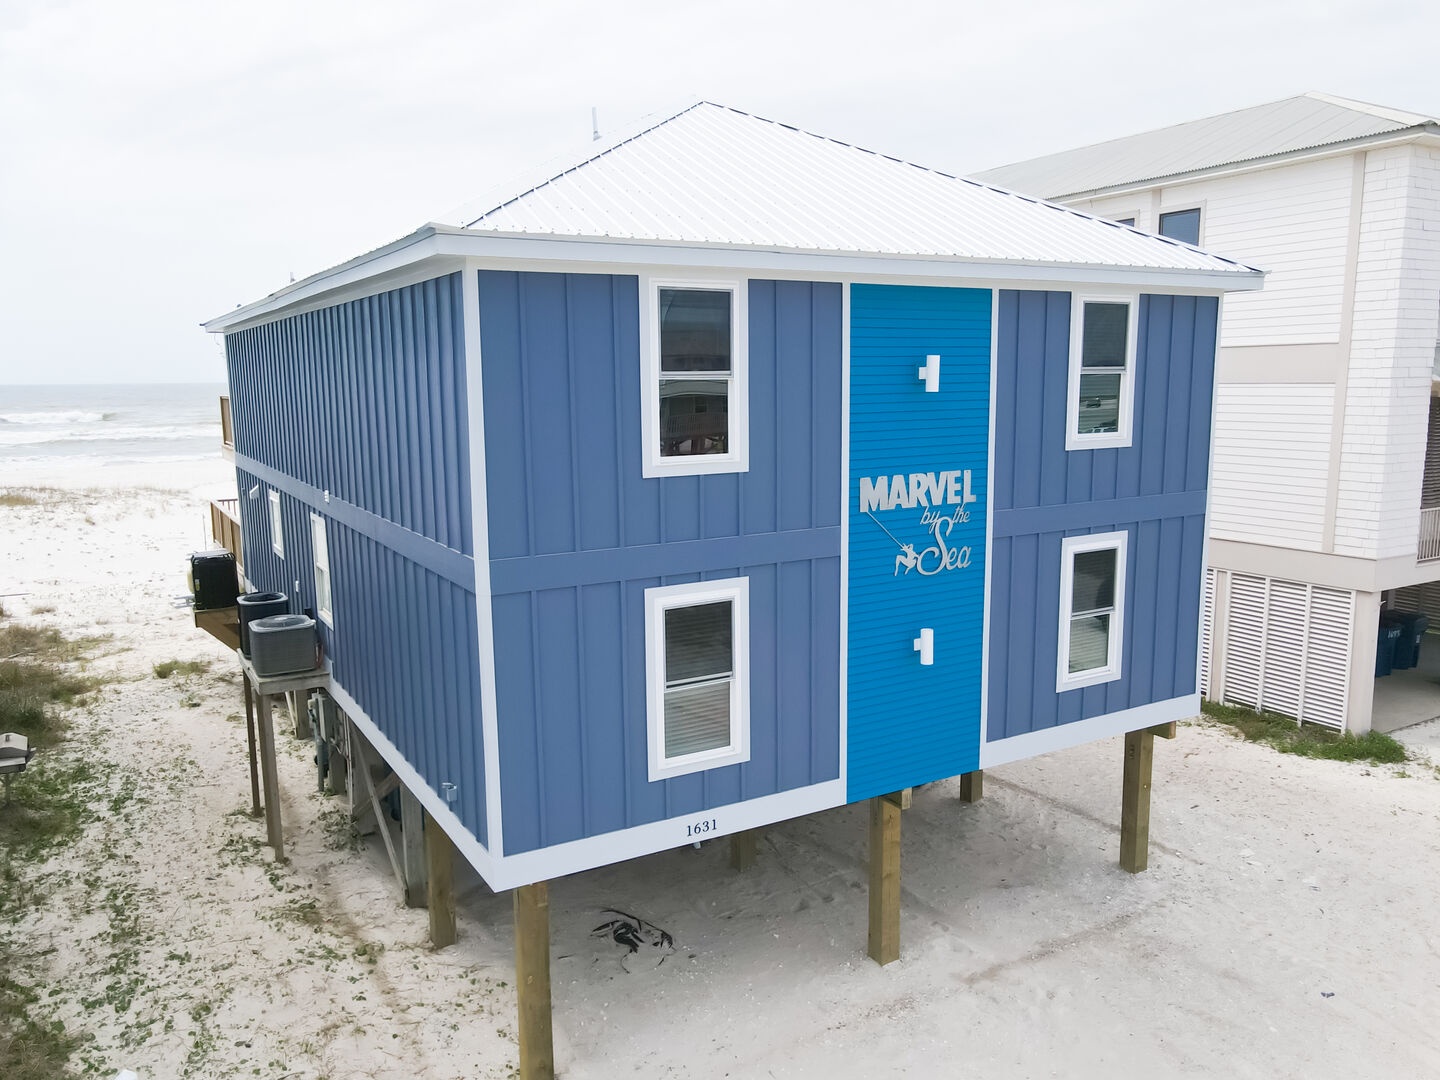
x=225, y=527
x=1429, y=546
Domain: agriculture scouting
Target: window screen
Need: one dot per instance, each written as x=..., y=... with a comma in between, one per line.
x=696, y=371
x=1103, y=351
x=699, y=665
x=1092, y=605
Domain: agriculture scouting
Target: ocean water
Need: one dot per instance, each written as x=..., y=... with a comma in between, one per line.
x=92, y=428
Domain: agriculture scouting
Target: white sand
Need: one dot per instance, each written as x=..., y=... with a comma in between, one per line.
x=1289, y=924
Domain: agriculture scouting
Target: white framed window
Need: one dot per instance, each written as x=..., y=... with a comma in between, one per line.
x=697, y=672
x=277, y=524
x=694, y=359
x=1181, y=224
x=1101, y=400
x=1092, y=609
x=320, y=545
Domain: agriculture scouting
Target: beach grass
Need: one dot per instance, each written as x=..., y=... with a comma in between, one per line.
x=1307, y=740
x=51, y=802
x=17, y=498
x=167, y=668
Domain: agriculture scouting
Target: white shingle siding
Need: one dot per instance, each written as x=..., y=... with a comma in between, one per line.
x=1291, y=221
x=1271, y=463
x=1391, y=356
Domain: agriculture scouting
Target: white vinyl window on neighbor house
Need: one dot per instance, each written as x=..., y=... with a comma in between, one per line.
x=277, y=524
x=1101, y=397
x=697, y=664
x=694, y=360
x=320, y=544
x=1092, y=609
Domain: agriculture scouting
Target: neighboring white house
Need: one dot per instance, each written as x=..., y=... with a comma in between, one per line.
x=1325, y=493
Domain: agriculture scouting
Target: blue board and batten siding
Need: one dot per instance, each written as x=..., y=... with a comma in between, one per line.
x=1154, y=490
x=357, y=413
x=577, y=535
x=917, y=551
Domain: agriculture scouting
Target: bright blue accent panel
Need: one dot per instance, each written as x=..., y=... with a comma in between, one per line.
x=909, y=724
x=1154, y=489
x=365, y=400
x=577, y=534
x=406, y=640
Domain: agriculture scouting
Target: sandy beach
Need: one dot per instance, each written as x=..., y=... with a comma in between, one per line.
x=1288, y=926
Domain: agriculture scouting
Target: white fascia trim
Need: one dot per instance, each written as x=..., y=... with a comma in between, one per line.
x=1125, y=425
x=1360, y=144
x=737, y=460
x=659, y=600
x=464, y=840
x=437, y=250
x=480, y=545
x=1063, y=737
x=1071, y=546
x=545, y=864
x=844, y=697
x=759, y=260
x=989, y=516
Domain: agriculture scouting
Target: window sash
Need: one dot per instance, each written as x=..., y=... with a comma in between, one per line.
x=1092, y=607
x=697, y=671
x=277, y=523
x=693, y=358
x=1103, y=347
x=320, y=545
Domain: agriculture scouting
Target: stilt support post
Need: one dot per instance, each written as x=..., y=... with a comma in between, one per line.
x=972, y=786
x=742, y=850
x=440, y=883
x=1135, y=801
x=532, y=978
x=884, y=939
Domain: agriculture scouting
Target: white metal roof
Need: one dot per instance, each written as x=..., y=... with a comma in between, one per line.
x=1308, y=122
x=712, y=175
x=712, y=186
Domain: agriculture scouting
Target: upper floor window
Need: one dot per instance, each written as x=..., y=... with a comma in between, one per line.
x=697, y=646
x=277, y=525
x=694, y=359
x=1125, y=221
x=1182, y=225
x=320, y=544
x=1102, y=371
x=1092, y=609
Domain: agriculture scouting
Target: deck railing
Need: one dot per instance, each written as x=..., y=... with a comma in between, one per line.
x=225, y=527
x=227, y=426
x=1428, y=550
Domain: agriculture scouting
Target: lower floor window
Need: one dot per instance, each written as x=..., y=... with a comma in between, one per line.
x=1092, y=608
x=697, y=661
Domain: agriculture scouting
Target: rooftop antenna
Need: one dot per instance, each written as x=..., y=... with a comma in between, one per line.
x=594, y=124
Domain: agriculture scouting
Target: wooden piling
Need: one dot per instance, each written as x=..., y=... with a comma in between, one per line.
x=884, y=937
x=271, y=776
x=532, y=979
x=742, y=850
x=440, y=883
x=1135, y=801
x=972, y=786
x=250, y=737
x=412, y=847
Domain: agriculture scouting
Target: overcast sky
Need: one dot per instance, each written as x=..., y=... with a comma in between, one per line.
x=163, y=161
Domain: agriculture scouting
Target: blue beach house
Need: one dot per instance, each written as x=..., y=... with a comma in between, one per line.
x=733, y=474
